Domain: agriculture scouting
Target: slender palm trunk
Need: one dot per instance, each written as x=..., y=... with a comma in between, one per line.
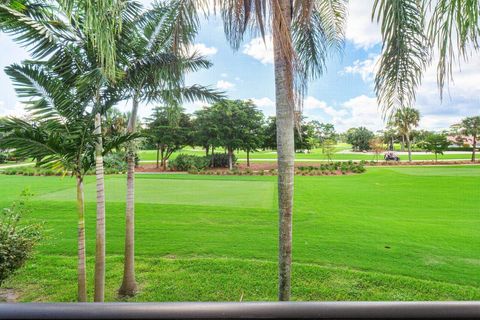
x=402, y=146
x=82, y=270
x=409, y=147
x=474, y=146
x=100, y=228
x=285, y=146
x=129, y=285
x=248, y=158
x=158, y=156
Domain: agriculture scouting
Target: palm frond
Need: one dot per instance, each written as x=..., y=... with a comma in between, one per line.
x=405, y=53
x=455, y=29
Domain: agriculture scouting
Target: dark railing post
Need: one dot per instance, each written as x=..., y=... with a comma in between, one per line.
x=246, y=310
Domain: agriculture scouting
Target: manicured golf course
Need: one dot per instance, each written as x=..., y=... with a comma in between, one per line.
x=403, y=233
x=314, y=155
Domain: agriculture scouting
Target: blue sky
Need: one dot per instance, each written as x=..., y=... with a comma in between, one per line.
x=343, y=95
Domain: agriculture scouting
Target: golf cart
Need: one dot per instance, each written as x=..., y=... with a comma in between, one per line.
x=391, y=156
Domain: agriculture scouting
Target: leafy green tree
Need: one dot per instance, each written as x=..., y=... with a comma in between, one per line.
x=303, y=34
x=304, y=140
x=167, y=133
x=359, y=138
x=234, y=122
x=323, y=132
x=470, y=126
x=252, y=130
x=329, y=149
x=436, y=143
x=206, y=131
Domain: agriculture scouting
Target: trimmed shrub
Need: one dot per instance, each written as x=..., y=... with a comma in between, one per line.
x=3, y=158
x=187, y=162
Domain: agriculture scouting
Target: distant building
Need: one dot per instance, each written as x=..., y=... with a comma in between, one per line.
x=460, y=141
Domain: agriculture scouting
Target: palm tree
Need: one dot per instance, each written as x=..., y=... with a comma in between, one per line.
x=156, y=63
x=62, y=32
x=53, y=141
x=405, y=119
x=303, y=33
x=413, y=31
x=470, y=126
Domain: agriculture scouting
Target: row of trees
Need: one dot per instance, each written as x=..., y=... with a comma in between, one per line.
x=228, y=124
x=401, y=129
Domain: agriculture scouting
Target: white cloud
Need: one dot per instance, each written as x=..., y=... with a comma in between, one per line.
x=202, y=49
x=266, y=105
x=360, y=29
x=224, y=85
x=260, y=50
x=16, y=111
x=311, y=103
x=366, y=68
x=363, y=111
x=224, y=75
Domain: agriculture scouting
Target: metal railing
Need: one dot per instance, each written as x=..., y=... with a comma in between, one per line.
x=243, y=310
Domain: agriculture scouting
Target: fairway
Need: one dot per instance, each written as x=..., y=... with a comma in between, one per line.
x=403, y=233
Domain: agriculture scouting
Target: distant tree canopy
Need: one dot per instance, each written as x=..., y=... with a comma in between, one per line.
x=305, y=140
x=169, y=129
x=230, y=124
x=359, y=138
x=436, y=143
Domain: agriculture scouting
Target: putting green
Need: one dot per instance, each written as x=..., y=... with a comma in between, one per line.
x=445, y=171
x=251, y=194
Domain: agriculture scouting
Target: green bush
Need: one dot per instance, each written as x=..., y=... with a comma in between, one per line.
x=17, y=238
x=187, y=162
x=3, y=158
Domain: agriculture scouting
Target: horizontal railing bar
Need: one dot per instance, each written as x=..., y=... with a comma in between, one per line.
x=243, y=310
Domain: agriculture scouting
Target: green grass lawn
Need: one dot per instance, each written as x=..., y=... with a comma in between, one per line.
x=390, y=234
x=315, y=154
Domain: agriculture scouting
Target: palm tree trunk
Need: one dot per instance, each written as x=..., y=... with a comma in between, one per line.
x=82, y=270
x=100, y=228
x=248, y=158
x=158, y=155
x=402, y=147
x=285, y=146
x=129, y=285
x=474, y=146
x=409, y=148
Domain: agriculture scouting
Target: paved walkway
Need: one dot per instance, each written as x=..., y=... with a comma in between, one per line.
x=16, y=165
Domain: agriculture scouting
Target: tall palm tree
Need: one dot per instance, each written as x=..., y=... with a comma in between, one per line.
x=470, y=126
x=405, y=119
x=62, y=32
x=154, y=70
x=59, y=134
x=413, y=31
x=303, y=34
